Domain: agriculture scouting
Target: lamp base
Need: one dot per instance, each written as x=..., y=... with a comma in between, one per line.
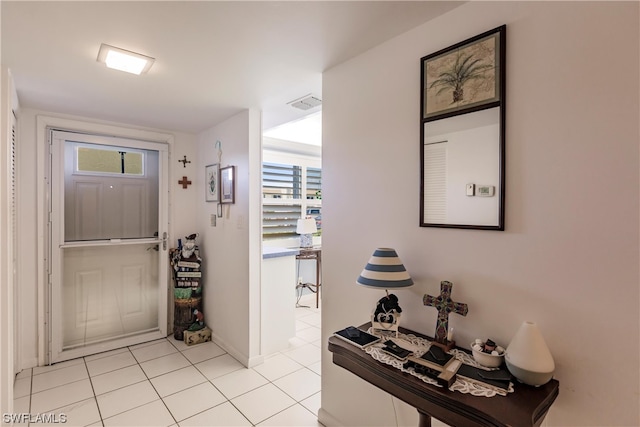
x=306, y=240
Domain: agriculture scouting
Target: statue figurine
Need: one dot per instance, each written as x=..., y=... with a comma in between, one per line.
x=387, y=309
x=189, y=246
x=199, y=323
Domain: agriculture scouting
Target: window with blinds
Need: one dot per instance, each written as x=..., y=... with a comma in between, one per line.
x=314, y=184
x=283, y=203
x=280, y=221
x=281, y=181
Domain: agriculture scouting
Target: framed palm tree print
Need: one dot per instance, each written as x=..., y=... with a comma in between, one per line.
x=465, y=77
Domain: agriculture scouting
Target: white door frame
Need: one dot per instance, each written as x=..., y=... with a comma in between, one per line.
x=44, y=123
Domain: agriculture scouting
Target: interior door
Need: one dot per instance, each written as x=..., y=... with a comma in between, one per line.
x=108, y=243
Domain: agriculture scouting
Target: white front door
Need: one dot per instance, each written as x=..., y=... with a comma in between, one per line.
x=108, y=243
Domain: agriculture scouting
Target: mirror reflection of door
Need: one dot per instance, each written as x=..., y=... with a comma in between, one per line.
x=108, y=259
x=460, y=151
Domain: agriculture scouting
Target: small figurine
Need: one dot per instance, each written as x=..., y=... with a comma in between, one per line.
x=189, y=246
x=199, y=323
x=387, y=309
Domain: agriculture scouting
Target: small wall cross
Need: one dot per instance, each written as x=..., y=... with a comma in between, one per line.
x=445, y=305
x=185, y=182
x=184, y=162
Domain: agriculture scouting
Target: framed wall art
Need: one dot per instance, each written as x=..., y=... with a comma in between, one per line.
x=212, y=182
x=227, y=184
x=464, y=77
x=462, y=134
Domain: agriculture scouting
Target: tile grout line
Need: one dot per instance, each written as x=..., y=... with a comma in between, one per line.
x=152, y=386
x=93, y=390
x=193, y=364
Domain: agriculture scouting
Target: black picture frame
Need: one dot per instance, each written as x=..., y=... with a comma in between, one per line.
x=227, y=184
x=459, y=85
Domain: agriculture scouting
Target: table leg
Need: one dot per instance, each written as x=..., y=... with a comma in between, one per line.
x=425, y=420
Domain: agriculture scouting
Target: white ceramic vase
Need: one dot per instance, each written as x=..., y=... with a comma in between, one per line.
x=528, y=358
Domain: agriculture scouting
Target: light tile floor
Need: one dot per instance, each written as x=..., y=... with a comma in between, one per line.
x=166, y=383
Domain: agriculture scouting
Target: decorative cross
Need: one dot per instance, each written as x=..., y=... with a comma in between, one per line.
x=445, y=305
x=184, y=163
x=184, y=182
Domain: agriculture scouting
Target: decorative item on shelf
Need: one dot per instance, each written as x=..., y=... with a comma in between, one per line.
x=385, y=271
x=197, y=337
x=487, y=353
x=199, y=321
x=305, y=228
x=527, y=356
x=189, y=246
x=445, y=305
x=187, y=291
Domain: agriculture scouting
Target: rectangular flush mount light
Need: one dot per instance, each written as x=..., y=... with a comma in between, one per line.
x=124, y=60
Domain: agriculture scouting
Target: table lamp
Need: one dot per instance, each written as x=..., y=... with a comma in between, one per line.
x=305, y=228
x=385, y=271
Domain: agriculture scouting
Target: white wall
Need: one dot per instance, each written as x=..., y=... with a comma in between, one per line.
x=231, y=250
x=569, y=257
x=29, y=259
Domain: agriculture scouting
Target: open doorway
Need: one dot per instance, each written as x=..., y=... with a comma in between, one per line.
x=291, y=191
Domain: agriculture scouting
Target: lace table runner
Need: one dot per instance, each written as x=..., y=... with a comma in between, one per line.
x=419, y=347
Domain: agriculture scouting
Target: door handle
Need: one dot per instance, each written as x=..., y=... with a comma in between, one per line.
x=164, y=241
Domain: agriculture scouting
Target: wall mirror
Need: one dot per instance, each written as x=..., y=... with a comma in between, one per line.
x=462, y=134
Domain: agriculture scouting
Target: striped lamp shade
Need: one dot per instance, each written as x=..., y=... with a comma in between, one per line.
x=385, y=270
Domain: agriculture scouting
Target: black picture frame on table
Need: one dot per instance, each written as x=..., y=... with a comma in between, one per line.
x=461, y=86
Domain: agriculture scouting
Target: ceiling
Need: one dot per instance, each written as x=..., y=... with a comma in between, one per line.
x=213, y=59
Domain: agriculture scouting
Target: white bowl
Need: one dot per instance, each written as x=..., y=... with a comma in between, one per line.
x=486, y=359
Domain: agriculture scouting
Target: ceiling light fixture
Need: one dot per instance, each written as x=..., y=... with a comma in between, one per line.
x=124, y=60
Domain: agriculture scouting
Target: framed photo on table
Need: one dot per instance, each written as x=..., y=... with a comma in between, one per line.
x=227, y=184
x=212, y=182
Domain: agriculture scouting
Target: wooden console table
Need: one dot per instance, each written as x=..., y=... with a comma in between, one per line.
x=526, y=406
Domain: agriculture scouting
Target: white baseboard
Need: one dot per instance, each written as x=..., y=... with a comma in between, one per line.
x=327, y=419
x=248, y=362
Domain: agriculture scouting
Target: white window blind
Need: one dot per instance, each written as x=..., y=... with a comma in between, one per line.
x=435, y=182
x=314, y=183
x=280, y=221
x=281, y=181
x=283, y=187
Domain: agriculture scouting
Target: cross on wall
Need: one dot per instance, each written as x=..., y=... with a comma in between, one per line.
x=184, y=182
x=445, y=305
x=184, y=161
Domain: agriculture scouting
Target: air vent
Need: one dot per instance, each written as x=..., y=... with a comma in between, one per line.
x=306, y=102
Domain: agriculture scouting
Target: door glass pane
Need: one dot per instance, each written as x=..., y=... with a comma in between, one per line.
x=110, y=192
x=108, y=292
x=114, y=161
